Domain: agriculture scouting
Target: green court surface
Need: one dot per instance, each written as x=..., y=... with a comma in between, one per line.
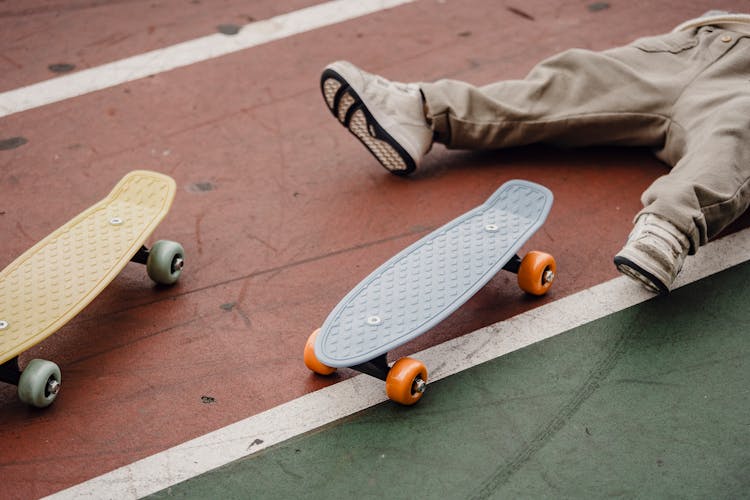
x=650, y=402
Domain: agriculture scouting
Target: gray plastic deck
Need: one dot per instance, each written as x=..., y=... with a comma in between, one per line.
x=424, y=283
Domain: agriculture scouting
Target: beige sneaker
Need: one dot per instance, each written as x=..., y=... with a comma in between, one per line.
x=387, y=117
x=654, y=253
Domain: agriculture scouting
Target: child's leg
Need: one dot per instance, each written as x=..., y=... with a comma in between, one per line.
x=580, y=97
x=622, y=96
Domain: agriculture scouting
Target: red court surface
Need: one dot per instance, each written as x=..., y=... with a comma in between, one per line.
x=280, y=211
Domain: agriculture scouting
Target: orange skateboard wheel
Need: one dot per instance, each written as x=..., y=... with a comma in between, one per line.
x=406, y=381
x=311, y=361
x=536, y=273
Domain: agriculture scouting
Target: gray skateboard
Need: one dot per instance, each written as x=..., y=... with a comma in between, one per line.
x=424, y=283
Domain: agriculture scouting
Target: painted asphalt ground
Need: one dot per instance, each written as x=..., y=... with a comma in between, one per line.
x=140, y=363
x=649, y=402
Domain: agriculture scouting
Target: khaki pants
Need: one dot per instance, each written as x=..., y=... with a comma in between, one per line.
x=685, y=94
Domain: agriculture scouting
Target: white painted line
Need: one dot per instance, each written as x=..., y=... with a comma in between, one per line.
x=186, y=53
x=314, y=410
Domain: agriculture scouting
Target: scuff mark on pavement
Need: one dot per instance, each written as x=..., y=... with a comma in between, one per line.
x=12, y=143
x=256, y=442
x=520, y=13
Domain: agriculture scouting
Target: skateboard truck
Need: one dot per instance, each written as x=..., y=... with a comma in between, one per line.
x=377, y=367
x=9, y=371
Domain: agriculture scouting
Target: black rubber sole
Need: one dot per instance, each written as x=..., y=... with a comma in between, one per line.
x=633, y=270
x=374, y=129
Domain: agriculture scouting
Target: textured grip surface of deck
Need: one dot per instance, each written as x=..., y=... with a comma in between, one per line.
x=427, y=281
x=51, y=282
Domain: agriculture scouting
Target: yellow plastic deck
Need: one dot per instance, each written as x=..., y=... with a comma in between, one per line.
x=55, y=279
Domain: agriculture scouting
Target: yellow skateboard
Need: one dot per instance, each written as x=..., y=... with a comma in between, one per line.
x=55, y=279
